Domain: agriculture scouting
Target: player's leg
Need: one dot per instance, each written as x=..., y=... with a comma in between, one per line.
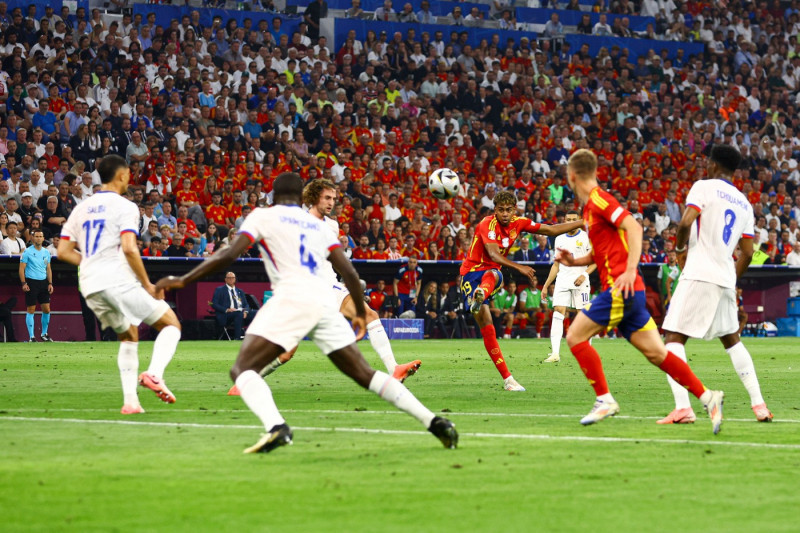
x=30, y=309
x=163, y=319
x=44, y=299
x=256, y=353
x=683, y=412
x=128, y=364
x=648, y=341
x=557, y=327
x=379, y=340
x=508, y=324
x=743, y=364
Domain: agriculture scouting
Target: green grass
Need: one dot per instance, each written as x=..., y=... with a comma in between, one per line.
x=71, y=462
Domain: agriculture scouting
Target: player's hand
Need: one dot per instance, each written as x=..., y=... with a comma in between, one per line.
x=359, y=324
x=682, y=260
x=50, y=288
x=527, y=271
x=170, y=283
x=624, y=283
x=579, y=281
x=153, y=291
x=25, y=287
x=564, y=257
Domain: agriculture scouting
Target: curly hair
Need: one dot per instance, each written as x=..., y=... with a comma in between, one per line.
x=313, y=190
x=505, y=198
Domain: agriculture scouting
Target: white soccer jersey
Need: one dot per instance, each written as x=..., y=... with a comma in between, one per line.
x=95, y=225
x=725, y=217
x=295, y=247
x=579, y=246
x=327, y=268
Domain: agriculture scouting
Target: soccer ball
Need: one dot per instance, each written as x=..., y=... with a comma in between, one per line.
x=443, y=183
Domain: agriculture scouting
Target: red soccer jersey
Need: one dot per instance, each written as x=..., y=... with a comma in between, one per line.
x=603, y=216
x=489, y=230
x=217, y=213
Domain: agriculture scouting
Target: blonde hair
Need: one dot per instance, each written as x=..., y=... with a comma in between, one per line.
x=583, y=164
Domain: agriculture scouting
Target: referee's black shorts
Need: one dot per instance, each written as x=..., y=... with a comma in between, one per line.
x=38, y=293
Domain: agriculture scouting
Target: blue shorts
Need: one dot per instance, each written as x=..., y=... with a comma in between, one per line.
x=472, y=280
x=629, y=315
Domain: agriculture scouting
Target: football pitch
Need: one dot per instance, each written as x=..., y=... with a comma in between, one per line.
x=71, y=462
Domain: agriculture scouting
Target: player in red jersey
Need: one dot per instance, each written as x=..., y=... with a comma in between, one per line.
x=480, y=272
x=616, y=239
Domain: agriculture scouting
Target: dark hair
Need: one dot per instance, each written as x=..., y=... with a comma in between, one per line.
x=726, y=156
x=288, y=184
x=109, y=166
x=572, y=212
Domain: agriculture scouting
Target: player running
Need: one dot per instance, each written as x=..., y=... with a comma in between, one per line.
x=320, y=196
x=100, y=238
x=705, y=304
x=572, y=284
x=480, y=272
x=616, y=239
x=294, y=245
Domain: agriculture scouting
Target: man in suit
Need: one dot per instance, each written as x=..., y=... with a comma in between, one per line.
x=230, y=305
x=524, y=253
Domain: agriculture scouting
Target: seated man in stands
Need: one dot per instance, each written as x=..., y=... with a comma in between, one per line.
x=230, y=305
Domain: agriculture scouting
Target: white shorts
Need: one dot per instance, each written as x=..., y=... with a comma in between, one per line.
x=340, y=292
x=571, y=298
x=285, y=323
x=119, y=308
x=702, y=310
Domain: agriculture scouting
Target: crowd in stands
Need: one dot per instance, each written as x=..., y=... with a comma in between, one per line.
x=208, y=115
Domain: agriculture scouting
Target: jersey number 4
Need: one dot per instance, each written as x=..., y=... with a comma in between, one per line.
x=306, y=257
x=89, y=226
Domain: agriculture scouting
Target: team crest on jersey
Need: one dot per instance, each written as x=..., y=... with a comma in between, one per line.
x=513, y=234
x=492, y=235
x=579, y=243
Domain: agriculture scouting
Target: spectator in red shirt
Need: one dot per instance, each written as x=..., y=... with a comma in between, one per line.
x=362, y=251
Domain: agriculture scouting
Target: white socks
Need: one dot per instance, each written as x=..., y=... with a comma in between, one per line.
x=258, y=397
x=380, y=342
x=128, y=363
x=398, y=395
x=678, y=391
x=556, y=333
x=163, y=349
x=743, y=364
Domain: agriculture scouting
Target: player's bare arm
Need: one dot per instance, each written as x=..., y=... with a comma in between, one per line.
x=67, y=252
x=566, y=258
x=557, y=229
x=745, y=255
x=493, y=250
x=633, y=235
x=580, y=279
x=551, y=277
x=351, y=281
x=682, y=234
x=215, y=263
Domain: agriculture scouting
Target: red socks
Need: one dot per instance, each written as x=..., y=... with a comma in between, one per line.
x=592, y=367
x=493, y=349
x=507, y=331
x=680, y=372
x=488, y=281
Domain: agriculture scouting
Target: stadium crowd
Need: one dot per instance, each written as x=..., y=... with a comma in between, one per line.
x=208, y=116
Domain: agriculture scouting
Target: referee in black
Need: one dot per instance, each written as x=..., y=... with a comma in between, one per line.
x=37, y=283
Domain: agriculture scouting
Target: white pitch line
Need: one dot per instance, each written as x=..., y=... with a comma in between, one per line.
x=370, y=412
x=519, y=436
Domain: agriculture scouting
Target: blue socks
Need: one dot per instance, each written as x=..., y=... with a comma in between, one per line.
x=45, y=322
x=29, y=323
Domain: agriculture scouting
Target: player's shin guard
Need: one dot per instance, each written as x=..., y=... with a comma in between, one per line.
x=743, y=364
x=45, y=323
x=678, y=391
x=556, y=333
x=680, y=372
x=128, y=364
x=493, y=349
x=163, y=349
x=380, y=343
x=589, y=361
x=29, y=324
x=258, y=397
x=398, y=395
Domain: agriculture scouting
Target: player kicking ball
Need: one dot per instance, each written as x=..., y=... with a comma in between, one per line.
x=572, y=283
x=705, y=303
x=294, y=245
x=118, y=290
x=480, y=272
x=616, y=239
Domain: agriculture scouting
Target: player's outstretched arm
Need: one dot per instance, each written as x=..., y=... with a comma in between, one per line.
x=224, y=257
x=350, y=277
x=566, y=258
x=633, y=235
x=68, y=253
x=558, y=229
x=493, y=250
x=745, y=256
